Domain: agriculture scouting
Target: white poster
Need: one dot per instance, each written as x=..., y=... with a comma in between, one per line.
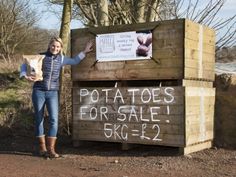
x=124, y=46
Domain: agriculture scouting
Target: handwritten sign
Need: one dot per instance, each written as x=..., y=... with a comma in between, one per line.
x=121, y=113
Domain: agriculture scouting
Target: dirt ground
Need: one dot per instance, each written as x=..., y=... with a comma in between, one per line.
x=96, y=159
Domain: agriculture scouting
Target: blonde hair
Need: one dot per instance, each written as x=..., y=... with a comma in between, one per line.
x=56, y=39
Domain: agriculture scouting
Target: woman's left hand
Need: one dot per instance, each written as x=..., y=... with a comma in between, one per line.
x=89, y=47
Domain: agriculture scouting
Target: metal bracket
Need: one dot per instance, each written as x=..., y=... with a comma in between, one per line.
x=94, y=63
x=157, y=61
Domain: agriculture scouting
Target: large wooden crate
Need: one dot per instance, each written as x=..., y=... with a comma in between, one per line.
x=182, y=49
x=178, y=116
x=168, y=100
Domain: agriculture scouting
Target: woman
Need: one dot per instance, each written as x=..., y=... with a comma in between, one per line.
x=45, y=92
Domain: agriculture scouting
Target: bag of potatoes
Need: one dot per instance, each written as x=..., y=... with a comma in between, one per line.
x=34, y=66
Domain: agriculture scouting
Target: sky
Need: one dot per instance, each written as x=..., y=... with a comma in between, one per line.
x=52, y=21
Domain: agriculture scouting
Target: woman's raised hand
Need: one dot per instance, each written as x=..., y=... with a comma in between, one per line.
x=89, y=47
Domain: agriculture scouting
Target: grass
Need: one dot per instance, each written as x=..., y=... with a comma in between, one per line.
x=16, y=110
x=15, y=98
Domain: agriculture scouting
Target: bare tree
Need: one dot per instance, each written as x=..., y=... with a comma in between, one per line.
x=114, y=12
x=131, y=11
x=102, y=6
x=16, y=19
x=65, y=23
x=207, y=15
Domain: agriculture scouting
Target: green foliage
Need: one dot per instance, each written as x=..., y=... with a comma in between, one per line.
x=15, y=102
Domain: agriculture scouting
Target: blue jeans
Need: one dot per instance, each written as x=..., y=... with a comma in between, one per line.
x=50, y=99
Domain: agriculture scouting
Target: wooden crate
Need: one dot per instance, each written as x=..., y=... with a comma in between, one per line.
x=168, y=100
x=181, y=49
x=179, y=116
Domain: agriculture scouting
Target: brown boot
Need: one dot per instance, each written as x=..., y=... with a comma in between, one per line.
x=51, y=142
x=42, y=146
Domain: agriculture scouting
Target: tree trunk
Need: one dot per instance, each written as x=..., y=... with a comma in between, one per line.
x=64, y=34
x=140, y=11
x=65, y=24
x=153, y=11
x=103, y=12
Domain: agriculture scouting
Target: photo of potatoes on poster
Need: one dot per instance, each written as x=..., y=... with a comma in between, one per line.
x=124, y=46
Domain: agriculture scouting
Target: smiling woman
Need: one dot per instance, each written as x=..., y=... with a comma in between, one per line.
x=45, y=92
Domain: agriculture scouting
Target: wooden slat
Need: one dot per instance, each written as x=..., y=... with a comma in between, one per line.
x=165, y=139
x=165, y=128
x=197, y=138
x=130, y=95
x=194, y=129
x=194, y=55
x=168, y=52
x=196, y=118
x=196, y=100
x=132, y=74
x=193, y=35
x=193, y=73
x=113, y=118
x=193, y=26
x=195, y=91
x=191, y=44
x=177, y=100
x=189, y=63
x=196, y=83
x=195, y=147
x=162, y=110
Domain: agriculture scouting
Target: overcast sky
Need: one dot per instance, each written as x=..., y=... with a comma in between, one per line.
x=51, y=21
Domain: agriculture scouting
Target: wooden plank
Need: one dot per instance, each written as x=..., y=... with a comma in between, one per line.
x=196, y=91
x=117, y=28
x=113, y=118
x=198, y=128
x=196, y=83
x=169, y=31
x=150, y=64
x=165, y=128
x=193, y=35
x=196, y=147
x=168, y=52
x=193, y=26
x=91, y=74
x=162, y=61
x=191, y=44
x=137, y=100
x=200, y=110
x=95, y=111
x=194, y=55
x=197, y=100
x=198, y=138
x=190, y=63
x=193, y=73
x=152, y=139
x=196, y=119
x=163, y=44
x=128, y=95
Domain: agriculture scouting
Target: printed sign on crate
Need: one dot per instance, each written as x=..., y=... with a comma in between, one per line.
x=124, y=46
